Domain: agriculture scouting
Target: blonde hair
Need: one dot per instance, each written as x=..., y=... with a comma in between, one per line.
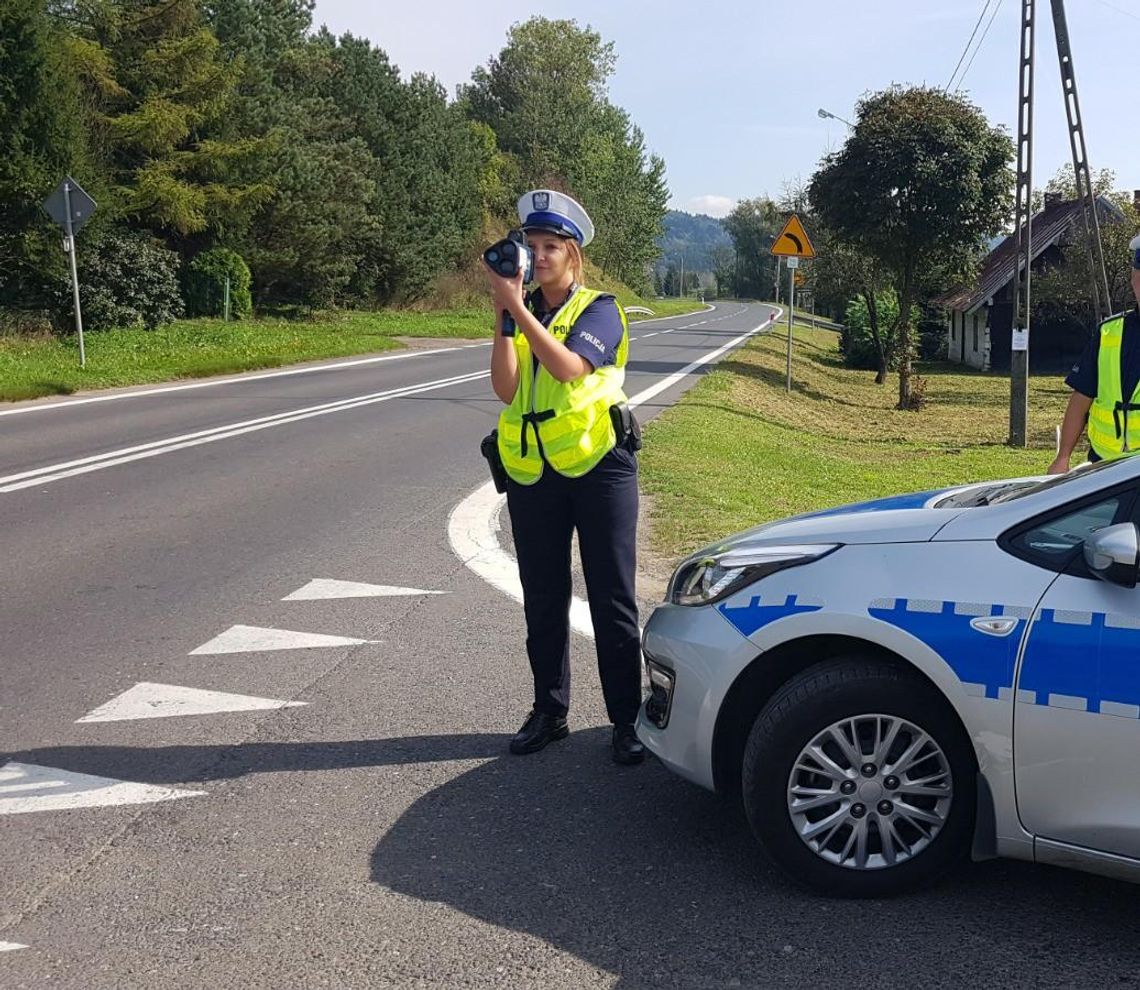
x=576, y=263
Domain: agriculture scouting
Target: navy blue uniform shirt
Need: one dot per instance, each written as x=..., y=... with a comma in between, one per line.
x=596, y=333
x=1084, y=377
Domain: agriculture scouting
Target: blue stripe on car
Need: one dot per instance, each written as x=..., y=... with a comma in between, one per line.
x=974, y=657
x=914, y=500
x=755, y=616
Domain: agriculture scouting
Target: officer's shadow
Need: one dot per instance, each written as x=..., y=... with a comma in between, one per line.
x=652, y=879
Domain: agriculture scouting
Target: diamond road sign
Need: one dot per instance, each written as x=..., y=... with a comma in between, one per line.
x=82, y=205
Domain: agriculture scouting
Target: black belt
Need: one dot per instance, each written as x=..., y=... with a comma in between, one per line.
x=1126, y=408
x=533, y=419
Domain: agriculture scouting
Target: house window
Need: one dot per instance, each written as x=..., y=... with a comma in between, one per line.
x=953, y=324
x=975, y=334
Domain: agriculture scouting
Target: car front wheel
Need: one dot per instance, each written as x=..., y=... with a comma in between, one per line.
x=859, y=780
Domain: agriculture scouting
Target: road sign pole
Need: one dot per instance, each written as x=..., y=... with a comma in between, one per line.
x=74, y=273
x=791, y=313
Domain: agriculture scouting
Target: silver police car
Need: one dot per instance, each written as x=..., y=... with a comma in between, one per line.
x=892, y=685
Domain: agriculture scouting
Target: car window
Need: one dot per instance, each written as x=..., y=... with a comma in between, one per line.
x=1052, y=542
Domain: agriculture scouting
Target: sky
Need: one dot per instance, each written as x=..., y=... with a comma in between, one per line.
x=727, y=91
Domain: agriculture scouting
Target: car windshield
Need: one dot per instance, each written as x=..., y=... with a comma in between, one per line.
x=1061, y=479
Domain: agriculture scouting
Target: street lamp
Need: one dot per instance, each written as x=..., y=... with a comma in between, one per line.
x=827, y=113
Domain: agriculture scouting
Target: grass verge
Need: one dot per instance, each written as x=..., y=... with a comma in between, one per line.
x=738, y=450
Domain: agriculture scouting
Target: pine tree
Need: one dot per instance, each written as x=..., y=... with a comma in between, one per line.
x=42, y=136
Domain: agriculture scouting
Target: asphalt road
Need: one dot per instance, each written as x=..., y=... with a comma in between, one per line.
x=376, y=833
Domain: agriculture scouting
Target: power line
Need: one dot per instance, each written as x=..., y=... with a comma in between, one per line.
x=962, y=57
x=981, y=41
x=1119, y=10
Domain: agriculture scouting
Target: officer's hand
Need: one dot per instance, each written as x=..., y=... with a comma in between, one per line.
x=506, y=293
x=1060, y=465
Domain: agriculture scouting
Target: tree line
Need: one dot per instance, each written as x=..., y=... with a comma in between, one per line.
x=229, y=138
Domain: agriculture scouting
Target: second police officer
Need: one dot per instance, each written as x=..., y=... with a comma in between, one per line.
x=568, y=469
x=1106, y=387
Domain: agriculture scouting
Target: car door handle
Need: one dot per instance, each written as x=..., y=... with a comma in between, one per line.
x=993, y=625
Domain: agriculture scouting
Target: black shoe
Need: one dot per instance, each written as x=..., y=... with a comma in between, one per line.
x=627, y=747
x=538, y=730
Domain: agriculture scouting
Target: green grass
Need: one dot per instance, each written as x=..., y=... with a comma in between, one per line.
x=738, y=450
x=35, y=367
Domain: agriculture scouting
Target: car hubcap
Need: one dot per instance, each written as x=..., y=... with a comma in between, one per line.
x=870, y=792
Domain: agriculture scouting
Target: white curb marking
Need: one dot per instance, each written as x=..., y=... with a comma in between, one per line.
x=473, y=526
x=322, y=588
x=148, y=700
x=252, y=639
x=27, y=788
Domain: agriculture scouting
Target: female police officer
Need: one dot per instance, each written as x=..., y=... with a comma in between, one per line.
x=568, y=469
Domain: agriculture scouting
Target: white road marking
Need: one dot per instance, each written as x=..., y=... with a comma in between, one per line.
x=148, y=700
x=210, y=383
x=97, y=462
x=11, y=946
x=473, y=526
x=68, y=403
x=253, y=639
x=26, y=788
x=321, y=588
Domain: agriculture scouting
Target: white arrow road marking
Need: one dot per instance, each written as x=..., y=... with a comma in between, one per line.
x=321, y=588
x=26, y=788
x=473, y=526
x=252, y=639
x=147, y=700
x=9, y=946
x=97, y=462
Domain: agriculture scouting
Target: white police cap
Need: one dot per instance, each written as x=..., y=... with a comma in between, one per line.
x=545, y=209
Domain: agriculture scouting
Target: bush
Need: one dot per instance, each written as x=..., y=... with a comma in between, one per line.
x=858, y=345
x=125, y=280
x=856, y=342
x=205, y=284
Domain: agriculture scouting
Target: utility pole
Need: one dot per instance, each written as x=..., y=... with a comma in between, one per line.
x=1095, y=252
x=1023, y=233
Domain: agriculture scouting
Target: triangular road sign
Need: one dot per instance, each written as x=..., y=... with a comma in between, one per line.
x=25, y=788
x=148, y=700
x=793, y=241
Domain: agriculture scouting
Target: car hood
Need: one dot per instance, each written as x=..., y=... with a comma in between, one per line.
x=911, y=518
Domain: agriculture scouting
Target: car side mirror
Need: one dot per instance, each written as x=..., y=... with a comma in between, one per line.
x=1113, y=554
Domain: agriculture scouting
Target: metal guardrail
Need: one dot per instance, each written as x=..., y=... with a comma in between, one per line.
x=638, y=309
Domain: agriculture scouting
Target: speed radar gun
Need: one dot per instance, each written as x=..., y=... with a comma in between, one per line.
x=507, y=258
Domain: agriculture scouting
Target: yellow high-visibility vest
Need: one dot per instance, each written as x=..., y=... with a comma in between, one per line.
x=564, y=424
x=1113, y=430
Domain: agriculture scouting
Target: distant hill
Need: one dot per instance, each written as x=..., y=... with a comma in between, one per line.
x=694, y=235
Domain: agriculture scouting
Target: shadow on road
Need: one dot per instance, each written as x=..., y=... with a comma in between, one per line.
x=649, y=878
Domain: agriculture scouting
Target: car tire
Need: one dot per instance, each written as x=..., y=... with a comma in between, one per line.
x=841, y=701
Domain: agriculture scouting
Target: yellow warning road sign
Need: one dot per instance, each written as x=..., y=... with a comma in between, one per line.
x=793, y=241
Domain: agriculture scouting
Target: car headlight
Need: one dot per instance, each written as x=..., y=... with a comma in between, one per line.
x=710, y=577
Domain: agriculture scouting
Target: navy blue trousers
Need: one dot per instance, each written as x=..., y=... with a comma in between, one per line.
x=602, y=507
